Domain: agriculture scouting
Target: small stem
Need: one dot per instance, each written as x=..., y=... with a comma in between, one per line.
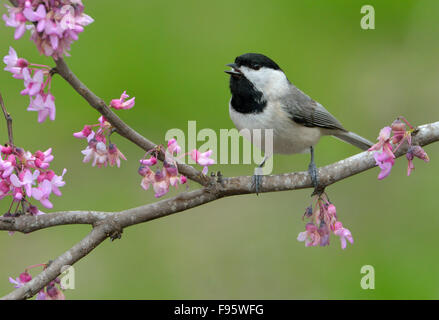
x=10, y=207
x=405, y=120
x=40, y=65
x=16, y=208
x=35, y=266
x=8, y=121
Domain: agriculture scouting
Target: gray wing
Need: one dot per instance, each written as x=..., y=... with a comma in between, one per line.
x=307, y=112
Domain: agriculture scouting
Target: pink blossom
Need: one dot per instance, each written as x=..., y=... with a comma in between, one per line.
x=25, y=175
x=14, y=64
x=160, y=184
x=97, y=150
x=419, y=153
x=311, y=235
x=21, y=280
x=27, y=180
x=42, y=193
x=33, y=85
x=343, y=233
x=7, y=166
x=42, y=159
x=44, y=106
x=57, y=182
x=385, y=162
x=54, y=25
x=383, y=138
x=149, y=162
x=173, y=146
x=399, y=131
x=51, y=292
x=6, y=149
x=114, y=155
x=121, y=103
x=54, y=293
x=97, y=153
x=33, y=210
x=324, y=220
x=324, y=235
x=41, y=295
x=148, y=177
x=171, y=172
x=415, y=151
x=84, y=133
x=36, y=16
x=202, y=159
x=37, y=84
x=5, y=187
x=15, y=20
x=410, y=165
x=17, y=194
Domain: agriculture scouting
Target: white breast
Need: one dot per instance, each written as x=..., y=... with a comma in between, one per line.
x=288, y=136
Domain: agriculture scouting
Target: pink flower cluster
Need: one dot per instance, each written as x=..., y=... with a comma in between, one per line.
x=51, y=292
x=384, y=150
x=162, y=179
x=324, y=220
x=24, y=175
x=100, y=151
x=37, y=82
x=54, y=24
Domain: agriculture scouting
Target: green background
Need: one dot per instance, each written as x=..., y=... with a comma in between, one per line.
x=171, y=56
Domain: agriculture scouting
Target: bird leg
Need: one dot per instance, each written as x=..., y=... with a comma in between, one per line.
x=312, y=170
x=257, y=177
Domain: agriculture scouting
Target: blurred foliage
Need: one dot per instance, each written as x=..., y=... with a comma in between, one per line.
x=171, y=56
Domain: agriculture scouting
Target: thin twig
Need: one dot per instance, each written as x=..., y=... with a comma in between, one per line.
x=8, y=121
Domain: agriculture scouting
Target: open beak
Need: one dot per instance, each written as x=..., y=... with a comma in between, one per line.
x=235, y=70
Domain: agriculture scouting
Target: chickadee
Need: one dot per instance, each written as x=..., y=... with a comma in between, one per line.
x=264, y=98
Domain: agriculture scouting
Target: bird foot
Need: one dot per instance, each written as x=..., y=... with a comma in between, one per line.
x=257, y=180
x=313, y=172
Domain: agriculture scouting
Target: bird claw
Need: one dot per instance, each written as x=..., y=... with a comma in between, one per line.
x=257, y=182
x=257, y=179
x=312, y=170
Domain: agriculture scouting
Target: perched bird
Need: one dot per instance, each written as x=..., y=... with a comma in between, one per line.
x=263, y=98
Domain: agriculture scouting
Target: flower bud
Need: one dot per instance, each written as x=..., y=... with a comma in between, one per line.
x=6, y=149
x=149, y=162
x=143, y=170
x=112, y=149
x=419, y=153
x=398, y=125
x=22, y=63
x=92, y=143
x=25, y=277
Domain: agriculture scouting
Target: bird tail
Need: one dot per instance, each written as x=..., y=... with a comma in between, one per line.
x=354, y=139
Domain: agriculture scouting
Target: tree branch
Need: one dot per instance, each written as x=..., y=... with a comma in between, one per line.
x=82, y=248
x=328, y=175
x=111, y=224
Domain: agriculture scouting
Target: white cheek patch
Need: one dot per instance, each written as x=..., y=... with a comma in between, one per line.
x=272, y=83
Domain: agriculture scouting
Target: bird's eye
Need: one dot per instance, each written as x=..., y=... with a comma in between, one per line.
x=256, y=67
